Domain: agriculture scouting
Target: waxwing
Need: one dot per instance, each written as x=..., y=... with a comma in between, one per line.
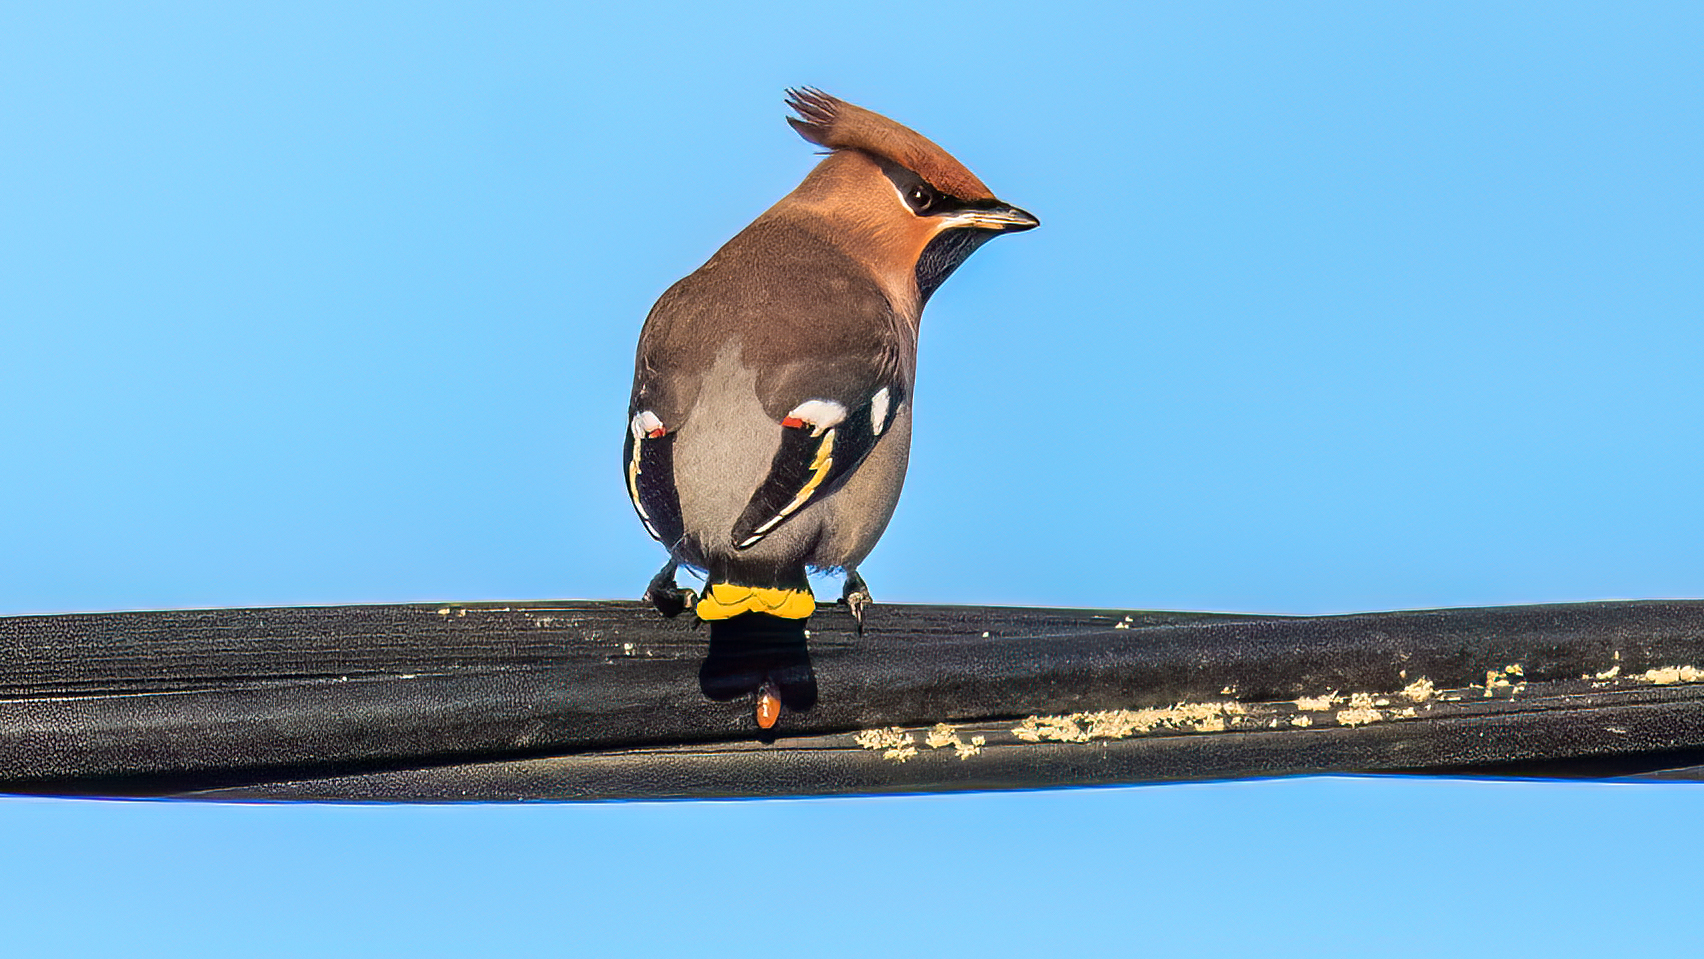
x=770, y=420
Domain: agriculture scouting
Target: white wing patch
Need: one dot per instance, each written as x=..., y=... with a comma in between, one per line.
x=819, y=415
x=645, y=424
x=879, y=411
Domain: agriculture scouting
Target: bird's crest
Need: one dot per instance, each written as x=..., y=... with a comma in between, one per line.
x=832, y=122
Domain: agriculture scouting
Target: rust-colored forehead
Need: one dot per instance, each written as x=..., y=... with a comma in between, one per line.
x=834, y=123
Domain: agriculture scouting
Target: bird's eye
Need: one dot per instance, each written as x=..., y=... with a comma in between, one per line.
x=920, y=198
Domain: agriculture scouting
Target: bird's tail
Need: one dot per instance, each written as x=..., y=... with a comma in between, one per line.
x=727, y=600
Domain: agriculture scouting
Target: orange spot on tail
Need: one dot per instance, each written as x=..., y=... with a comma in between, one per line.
x=768, y=707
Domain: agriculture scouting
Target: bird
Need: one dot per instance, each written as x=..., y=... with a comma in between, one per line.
x=769, y=424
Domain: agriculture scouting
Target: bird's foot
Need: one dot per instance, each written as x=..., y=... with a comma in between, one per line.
x=856, y=597
x=669, y=599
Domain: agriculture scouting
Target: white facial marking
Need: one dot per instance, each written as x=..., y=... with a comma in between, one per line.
x=902, y=201
x=879, y=411
x=643, y=423
x=820, y=414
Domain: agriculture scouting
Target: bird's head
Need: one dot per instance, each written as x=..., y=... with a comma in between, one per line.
x=902, y=202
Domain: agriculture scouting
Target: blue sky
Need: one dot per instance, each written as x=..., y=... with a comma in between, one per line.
x=1334, y=307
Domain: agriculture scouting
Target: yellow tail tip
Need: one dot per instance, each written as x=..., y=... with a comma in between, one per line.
x=726, y=600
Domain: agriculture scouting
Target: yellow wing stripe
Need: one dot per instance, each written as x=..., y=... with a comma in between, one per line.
x=633, y=489
x=820, y=465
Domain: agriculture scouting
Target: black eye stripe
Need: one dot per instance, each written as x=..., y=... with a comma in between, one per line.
x=925, y=200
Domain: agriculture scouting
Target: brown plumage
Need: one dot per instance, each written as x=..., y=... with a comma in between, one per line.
x=834, y=123
x=770, y=419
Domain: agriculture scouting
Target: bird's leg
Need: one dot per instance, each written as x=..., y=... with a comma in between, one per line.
x=670, y=600
x=856, y=596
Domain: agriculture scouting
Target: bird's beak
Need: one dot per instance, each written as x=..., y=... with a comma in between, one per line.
x=1002, y=218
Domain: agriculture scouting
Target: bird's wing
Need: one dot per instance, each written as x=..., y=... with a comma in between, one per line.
x=831, y=360
x=822, y=442
x=649, y=455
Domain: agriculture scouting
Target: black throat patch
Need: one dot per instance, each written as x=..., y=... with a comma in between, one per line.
x=944, y=254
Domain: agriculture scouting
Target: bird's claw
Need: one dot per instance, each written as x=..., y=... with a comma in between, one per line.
x=669, y=599
x=673, y=601
x=856, y=598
